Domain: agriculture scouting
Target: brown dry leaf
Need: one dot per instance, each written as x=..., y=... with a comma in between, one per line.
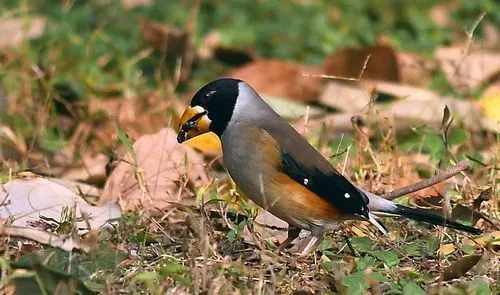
x=421, y=106
x=492, y=238
x=267, y=227
x=413, y=105
x=415, y=70
x=343, y=97
x=135, y=115
x=460, y=267
x=281, y=79
x=162, y=169
x=358, y=232
x=466, y=73
x=117, y=108
x=92, y=167
x=14, y=30
x=349, y=62
x=58, y=241
x=446, y=249
x=30, y=197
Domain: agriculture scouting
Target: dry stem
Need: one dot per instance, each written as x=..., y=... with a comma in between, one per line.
x=459, y=167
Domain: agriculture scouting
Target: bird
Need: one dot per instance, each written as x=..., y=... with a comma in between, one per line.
x=280, y=171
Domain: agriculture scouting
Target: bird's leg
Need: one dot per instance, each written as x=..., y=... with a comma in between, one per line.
x=312, y=245
x=293, y=233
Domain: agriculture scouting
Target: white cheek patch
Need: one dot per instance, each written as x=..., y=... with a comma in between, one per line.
x=306, y=181
x=347, y=196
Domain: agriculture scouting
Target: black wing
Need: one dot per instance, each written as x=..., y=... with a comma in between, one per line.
x=333, y=187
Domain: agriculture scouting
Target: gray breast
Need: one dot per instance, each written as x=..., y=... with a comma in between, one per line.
x=246, y=158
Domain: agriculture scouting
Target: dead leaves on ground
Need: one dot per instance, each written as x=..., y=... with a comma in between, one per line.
x=281, y=78
x=25, y=200
x=54, y=212
x=157, y=174
x=378, y=62
x=160, y=172
x=467, y=71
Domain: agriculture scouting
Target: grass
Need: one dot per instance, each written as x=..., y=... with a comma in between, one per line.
x=93, y=53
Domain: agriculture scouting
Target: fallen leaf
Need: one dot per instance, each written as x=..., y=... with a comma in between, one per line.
x=492, y=239
x=344, y=97
x=382, y=63
x=281, y=79
x=63, y=242
x=135, y=115
x=446, y=249
x=14, y=30
x=91, y=169
x=268, y=227
x=163, y=169
x=26, y=200
x=467, y=72
x=414, y=69
x=460, y=267
x=358, y=232
x=422, y=106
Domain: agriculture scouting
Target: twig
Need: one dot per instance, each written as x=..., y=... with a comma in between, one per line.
x=365, y=64
x=459, y=167
x=65, y=243
x=470, y=35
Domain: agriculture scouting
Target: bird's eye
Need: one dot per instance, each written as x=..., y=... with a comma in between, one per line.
x=206, y=98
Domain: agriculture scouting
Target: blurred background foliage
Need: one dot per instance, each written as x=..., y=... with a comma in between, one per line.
x=96, y=49
x=302, y=31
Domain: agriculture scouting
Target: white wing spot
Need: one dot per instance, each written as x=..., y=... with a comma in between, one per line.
x=306, y=181
x=347, y=196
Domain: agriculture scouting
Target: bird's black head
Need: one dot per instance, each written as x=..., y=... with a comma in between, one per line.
x=211, y=109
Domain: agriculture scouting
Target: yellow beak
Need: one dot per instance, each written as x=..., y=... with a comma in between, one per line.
x=194, y=122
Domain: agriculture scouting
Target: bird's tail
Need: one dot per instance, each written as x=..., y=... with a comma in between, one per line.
x=381, y=207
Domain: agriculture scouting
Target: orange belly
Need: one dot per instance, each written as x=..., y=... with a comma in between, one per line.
x=295, y=204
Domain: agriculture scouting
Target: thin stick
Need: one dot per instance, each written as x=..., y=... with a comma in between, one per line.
x=470, y=35
x=459, y=167
x=365, y=64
